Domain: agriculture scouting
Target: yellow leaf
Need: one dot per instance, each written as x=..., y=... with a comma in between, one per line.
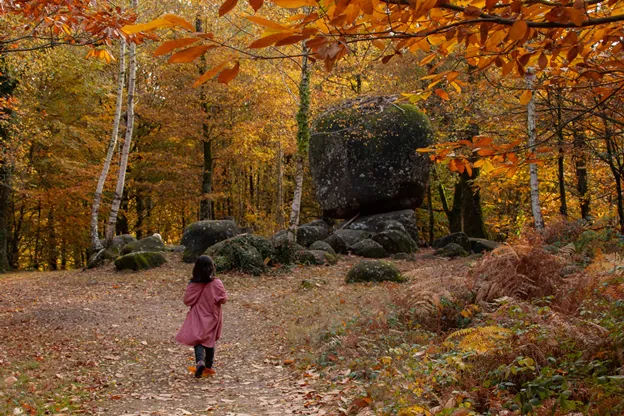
x=174, y=44
x=189, y=54
x=526, y=96
x=442, y=94
x=209, y=74
x=227, y=6
x=228, y=75
x=518, y=30
x=265, y=22
x=179, y=22
x=146, y=27
x=293, y=4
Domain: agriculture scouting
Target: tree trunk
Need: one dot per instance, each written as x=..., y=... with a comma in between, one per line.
x=123, y=164
x=534, y=182
x=96, y=245
x=617, y=171
x=580, y=165
x=303, y=141
x=205, y=204
x=52, y=249
x=7, y=87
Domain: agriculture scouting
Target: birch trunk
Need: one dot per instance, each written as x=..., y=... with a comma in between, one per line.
x=534, y=182
x=97, y=198
x=303, y=141
x=123, y=164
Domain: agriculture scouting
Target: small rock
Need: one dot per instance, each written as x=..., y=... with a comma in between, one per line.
x=451, y=250
x=369, y=248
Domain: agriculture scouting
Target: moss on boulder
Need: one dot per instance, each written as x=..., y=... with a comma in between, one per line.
x=323, y=246
x=141, y=260
x=394, y=241
x=369, y=248
x=374, y=271
x=151, y=243
x=314, y=257
x=363, y=157
x=451, y=250
x=244, y=253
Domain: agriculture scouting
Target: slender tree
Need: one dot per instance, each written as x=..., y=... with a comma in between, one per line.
x=96, y=245
x=123, y=164
x=303, y=142
x=534, y=181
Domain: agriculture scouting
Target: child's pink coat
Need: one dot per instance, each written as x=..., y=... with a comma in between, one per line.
x=203, y=321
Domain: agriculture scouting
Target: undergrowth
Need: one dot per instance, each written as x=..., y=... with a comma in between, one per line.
x=527, y=330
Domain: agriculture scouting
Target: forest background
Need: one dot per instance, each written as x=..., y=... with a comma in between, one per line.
x=59, y=109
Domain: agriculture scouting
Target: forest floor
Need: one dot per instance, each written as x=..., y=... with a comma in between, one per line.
x=102, y=342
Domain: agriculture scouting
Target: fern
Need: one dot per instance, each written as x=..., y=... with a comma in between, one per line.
x=481, y=340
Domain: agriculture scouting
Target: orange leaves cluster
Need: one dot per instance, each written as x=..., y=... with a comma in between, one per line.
x=482, y=152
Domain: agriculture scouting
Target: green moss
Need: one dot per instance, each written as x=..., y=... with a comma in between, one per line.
x=141, y=260
x=374, y=271
x=238, y=253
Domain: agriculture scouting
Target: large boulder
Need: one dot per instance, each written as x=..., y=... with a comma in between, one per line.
x=141, y=260
x=200, y=235
x=237, y=254
x=306, y=235
x=374, y=271
x=118, y=242
x=404, y=220
x=394, y=241
x=363, y=157
x=264, y=246
x=151, y=243
x=456, y=238
x=341, y=240
x=369, y=248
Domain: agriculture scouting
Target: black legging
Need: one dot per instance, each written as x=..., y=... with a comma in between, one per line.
x=205, y=354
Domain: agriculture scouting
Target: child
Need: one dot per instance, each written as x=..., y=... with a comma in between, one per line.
x=202, y=327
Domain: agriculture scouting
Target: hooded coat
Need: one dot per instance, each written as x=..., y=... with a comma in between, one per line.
x=204, y=320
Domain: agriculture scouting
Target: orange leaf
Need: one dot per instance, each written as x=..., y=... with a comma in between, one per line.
x=542, y=61
x=293, y=4
x=209, y=74
x=265, y=22
x=290, y=40
x=227, y=6
x=178, y=21
x=189, y=54
x=228, y=75
x=174, y=44
x=518, y=30
x=526, y=97
x=256, y=4
x=486, y=152
x=442, y=94
x=146, y=27
x=269, y=40
x=489, y=4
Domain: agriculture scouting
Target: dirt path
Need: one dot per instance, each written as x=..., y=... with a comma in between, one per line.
x=100, y=342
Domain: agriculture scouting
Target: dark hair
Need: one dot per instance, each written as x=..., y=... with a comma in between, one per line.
x=204, y=270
